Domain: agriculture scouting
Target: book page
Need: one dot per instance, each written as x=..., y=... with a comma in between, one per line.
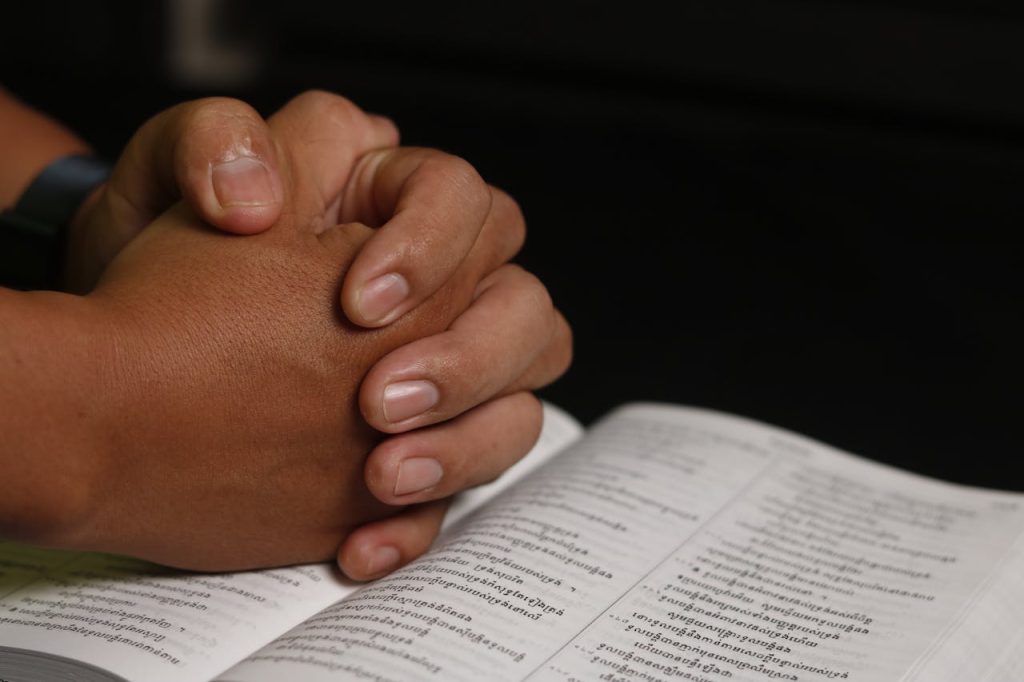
x=673, y=543
x=828, y=567
x=987, y=643
x=144, y=622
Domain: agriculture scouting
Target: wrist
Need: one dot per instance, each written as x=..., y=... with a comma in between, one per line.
x=34, y=234
x=31, y=141
x=55, y=414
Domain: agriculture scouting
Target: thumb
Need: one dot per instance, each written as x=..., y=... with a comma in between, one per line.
x=215, y=153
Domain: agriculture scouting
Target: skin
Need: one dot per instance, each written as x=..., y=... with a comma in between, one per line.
x=30, y=142
x=184, y=331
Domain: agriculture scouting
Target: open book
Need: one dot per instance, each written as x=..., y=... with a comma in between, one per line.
x=664, y=543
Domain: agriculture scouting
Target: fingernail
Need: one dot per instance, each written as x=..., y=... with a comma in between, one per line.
x=383, y=559
x=406, y=399
x=416, y=474
x=382, y=295
x=244, y=181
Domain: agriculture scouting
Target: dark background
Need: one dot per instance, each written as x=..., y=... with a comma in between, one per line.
x=805, y=212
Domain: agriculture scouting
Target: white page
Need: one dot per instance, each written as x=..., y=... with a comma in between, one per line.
x=987, y=644
x=667, y=545
x=828, y=567
x=143, y=622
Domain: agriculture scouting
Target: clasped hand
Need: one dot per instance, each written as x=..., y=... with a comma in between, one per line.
x=244, y=382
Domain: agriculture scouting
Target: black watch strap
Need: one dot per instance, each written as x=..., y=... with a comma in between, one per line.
x=32, y=233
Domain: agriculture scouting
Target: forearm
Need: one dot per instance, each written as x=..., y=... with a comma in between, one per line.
x=30, y=141
x=52, y=415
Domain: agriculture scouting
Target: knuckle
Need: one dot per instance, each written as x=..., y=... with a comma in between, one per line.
x=534, y=413
x=540, y=294
x=322, y=105
x=342, y=111
x=460, y=175
x=511, y=221
x=563, y=346
x=387, y=126
x=319, y=100
x=532, y=291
